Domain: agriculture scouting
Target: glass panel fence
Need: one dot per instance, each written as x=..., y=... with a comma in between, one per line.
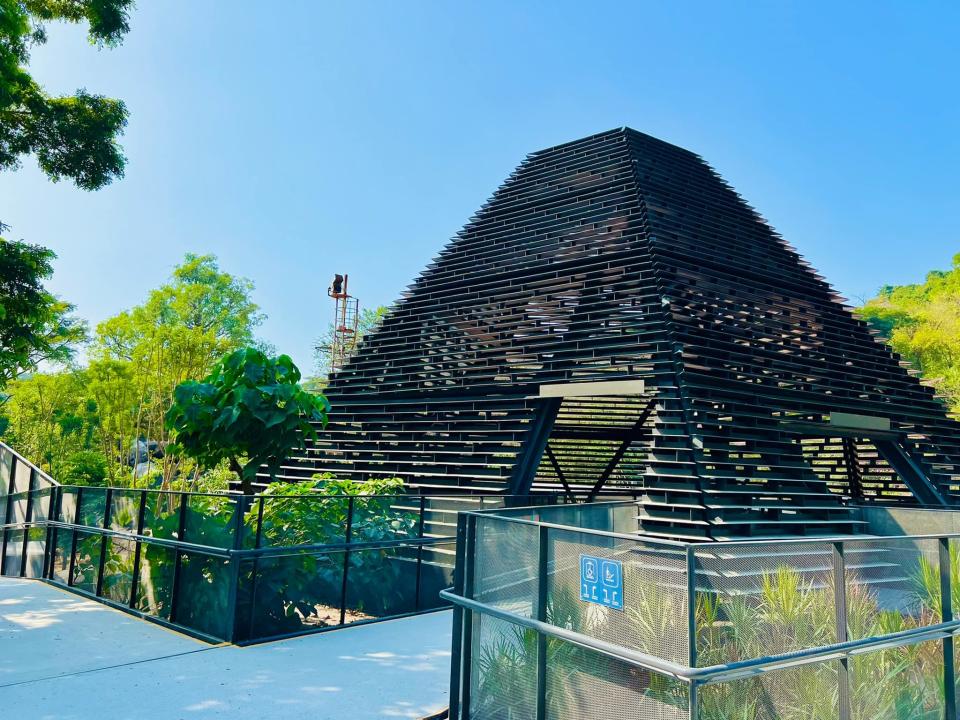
x=203, y=595
x=211, y=520
x=22, y=477
x=381, y=582
x=155, y=581
x=6, y=465
x=161, y=515
x=289, y=593
x=118, y=569
x=92, y=506
x=86, y=561
x=35, y=552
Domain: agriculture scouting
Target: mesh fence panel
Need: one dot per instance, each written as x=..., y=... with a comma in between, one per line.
x=905, y=682
x=892, y=585
x=503, y=683
x=654, y=618
x=758, y=600
x=505, y=573
x=806, y=692
x=586, y=685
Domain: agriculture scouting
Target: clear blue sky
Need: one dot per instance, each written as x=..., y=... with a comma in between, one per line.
x=358, y=137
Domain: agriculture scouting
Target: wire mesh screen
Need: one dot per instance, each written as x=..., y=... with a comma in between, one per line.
x=505, y=573
x=763, y=599
x=805, y=692
x=892, y=585
x=654, y=615
x=903, y=682
x=503, y=671
x=584, y=685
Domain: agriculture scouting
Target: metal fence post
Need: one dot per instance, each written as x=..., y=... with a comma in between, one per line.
x=103, y=540
x=946, y=603
x=470, y=558
x=27, y=517
x=346, y=562
x=691, y=607
x=694, y=700
x=416, y=597
x=137, y=549
x=456, y=643
x=178, y=559
x=840, y=614
x=542, y=588
x=53, y=515
x=233, y=567
x=257, y=542
x=72, y=566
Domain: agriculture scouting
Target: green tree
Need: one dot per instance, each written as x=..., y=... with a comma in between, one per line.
x=49, y=417
x=922, y=323
x=140, y=355
x=250, y=411
x=35, y=326
x=72, y=136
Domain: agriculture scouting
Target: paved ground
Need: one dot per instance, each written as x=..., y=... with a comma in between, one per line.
x=65, y=658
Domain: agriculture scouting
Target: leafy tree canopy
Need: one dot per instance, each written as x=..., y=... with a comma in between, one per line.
x=72, y=136
x=35, y=326
x=922, y=323
x=250, y=407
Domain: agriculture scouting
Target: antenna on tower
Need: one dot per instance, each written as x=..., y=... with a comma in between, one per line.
x=346, y=316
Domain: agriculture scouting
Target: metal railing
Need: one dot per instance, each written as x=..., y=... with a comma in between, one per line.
x=851, y=627
x=227, y=567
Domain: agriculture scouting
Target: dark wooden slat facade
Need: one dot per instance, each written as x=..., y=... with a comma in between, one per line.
x=619, y=257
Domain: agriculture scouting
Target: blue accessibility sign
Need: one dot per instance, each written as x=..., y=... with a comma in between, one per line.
x=601, y=581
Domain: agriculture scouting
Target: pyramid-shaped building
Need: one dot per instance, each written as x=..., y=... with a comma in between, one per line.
x=617, y=320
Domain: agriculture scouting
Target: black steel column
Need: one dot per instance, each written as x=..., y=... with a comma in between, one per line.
x=423, y=506
x=346, y=562
x=456, y=649
x=946, y=602
x=542, y=590
x=78, y=504
x=691, y=607
x=840, y=616
x=534, y=444
x=466, y=657
x=27, y=516
x=258, y=539
x=103, y=541
x=178, y=559
x=137, y=549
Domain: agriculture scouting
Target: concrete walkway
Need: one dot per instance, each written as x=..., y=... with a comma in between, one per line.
x=66, y=658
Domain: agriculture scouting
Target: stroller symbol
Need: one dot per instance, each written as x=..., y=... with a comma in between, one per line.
x=590, y=570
